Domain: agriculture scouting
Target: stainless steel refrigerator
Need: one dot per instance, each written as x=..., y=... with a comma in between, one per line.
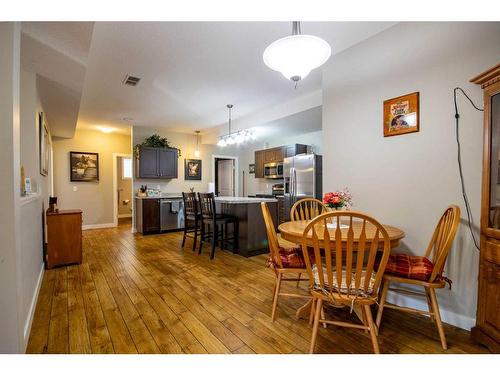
x=302, y=179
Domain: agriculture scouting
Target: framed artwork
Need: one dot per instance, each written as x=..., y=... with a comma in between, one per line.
x=43, y=145
x=192, y=169
x=401, y=115
x=84, y=166
x=251, y=168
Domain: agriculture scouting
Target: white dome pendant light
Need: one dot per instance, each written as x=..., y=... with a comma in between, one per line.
x=296, y=55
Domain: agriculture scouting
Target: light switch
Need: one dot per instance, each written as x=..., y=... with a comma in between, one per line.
x=75, y=188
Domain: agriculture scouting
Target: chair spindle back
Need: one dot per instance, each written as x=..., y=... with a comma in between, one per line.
x=190, y=204
x=272, y=237
x=346, y=268
x=442, y=239
x=307, y=209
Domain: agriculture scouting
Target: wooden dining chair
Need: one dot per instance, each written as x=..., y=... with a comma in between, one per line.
x=426, y=271
x=213, y=225
x=191, y=218
x=285, y=258
x=307, y=209
x=342, y=272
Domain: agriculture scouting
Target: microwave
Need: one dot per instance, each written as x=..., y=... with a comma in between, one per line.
x=273, y=170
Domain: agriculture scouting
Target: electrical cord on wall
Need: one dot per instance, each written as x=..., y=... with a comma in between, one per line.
x=459, y=158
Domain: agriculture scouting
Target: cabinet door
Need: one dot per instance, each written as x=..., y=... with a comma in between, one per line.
x=269, y=156
x=259, y=164
x=167, y=163
x=150, y=215
x=489, y=295
x=279, y=153
x=148, y=163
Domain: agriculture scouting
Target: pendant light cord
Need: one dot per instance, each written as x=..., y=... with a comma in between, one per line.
x=459, y=159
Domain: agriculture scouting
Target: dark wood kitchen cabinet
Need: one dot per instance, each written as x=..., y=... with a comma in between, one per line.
x=259, y=164
x=276, y=155
x=157, y=163
x=147, y=215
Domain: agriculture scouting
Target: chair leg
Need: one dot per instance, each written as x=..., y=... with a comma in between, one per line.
x=317, y=314
x=313, y=310
x=184, y=235
x=235, y=236
x=202, y=237
x=195, y=235
x=298, y=281
x=429, y=303
x=383, y=296
x=215, y=236
x=323, y=317
x=373, y=331
x=277, y=287
x=437, y=317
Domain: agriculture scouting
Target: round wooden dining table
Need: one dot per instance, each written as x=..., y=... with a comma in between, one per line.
x=293, y=231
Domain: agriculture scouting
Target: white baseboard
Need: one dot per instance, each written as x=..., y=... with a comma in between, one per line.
x=450, y=317
x=31, y=312
x=98, y=226
x=123, y=216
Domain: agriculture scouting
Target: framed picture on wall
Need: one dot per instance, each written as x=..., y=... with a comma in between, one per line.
x=192, y=169
x=401, y=115
x=251, y=168
x=43, y=145
x=84, y=166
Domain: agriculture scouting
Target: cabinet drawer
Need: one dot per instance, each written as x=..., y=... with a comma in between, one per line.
x=491, y=251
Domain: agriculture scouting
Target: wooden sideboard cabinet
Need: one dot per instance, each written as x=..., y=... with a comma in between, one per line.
x=487, y=329
x=64, y=238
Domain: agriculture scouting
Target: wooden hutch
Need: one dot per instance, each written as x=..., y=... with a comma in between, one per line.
x=487, y=329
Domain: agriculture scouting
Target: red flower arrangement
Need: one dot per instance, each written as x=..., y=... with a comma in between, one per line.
x=338, y=199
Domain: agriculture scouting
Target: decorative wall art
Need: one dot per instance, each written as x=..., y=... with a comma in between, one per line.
x=192, y=169
x=84, y=166
x=401, y=115
x=43, y=145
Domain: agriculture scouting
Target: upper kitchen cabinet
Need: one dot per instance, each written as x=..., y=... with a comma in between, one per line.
x=157, y=163
x=276, y=155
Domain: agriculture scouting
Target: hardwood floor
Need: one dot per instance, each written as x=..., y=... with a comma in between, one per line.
x=143, y=294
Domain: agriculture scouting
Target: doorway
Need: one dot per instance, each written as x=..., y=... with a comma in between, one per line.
x=225, y=176
x=122, y=188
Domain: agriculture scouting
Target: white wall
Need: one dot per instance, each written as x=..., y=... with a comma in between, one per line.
x=408, y=180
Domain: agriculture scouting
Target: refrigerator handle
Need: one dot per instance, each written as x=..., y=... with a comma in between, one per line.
x=294, y=184
x=292, y=191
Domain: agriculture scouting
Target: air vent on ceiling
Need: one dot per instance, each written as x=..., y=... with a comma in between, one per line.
x=131, y=80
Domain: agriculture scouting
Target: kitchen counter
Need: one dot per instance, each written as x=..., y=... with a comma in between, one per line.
x=163, y=196
x=242, y=200
x=252, y=236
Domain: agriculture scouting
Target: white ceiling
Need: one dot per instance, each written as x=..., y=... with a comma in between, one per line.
x=189, y=70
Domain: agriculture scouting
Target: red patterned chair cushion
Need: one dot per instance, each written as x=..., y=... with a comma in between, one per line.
x=292, y=257
x=409, y=266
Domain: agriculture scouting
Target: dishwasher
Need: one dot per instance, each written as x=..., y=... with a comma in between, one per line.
x=171, y=215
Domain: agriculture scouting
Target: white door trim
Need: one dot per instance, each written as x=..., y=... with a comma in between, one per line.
x=115, y=185
x=236, y=171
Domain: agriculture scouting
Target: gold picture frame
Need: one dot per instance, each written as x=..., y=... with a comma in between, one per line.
x=402, y=115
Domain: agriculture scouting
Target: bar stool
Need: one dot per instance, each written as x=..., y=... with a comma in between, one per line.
x=191, y=218
x=214, y=225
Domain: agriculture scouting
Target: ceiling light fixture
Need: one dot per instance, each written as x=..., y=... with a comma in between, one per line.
x=105, y=129
x=238, y=137
x=296, y=55
x=197, y=149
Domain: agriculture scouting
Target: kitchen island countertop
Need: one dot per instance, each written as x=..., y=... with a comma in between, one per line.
x=244, y=200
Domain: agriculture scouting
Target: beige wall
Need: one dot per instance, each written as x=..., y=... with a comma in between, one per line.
x=94, y=198
x=408, y=180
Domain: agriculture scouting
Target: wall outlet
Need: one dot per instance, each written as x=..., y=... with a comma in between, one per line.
x=75, y=188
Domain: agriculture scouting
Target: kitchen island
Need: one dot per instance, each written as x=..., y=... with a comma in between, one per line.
x=252, y=237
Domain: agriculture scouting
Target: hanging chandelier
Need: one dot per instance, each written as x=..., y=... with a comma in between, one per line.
x=197, y=150
x=237, y=137
x=296, y=55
